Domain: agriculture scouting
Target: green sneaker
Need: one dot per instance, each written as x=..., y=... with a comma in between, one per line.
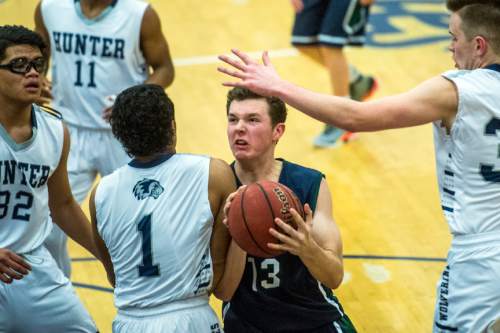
x=363, y=88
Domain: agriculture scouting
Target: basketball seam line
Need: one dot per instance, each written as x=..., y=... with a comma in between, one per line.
x=270, y=208
x=245, y=221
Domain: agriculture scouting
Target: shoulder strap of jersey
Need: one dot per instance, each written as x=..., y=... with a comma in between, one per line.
x=51, y=111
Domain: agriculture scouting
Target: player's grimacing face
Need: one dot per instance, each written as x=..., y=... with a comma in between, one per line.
x=23, y=87
x=249, y=130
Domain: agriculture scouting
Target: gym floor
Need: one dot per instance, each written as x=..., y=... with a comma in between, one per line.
x=383, y=184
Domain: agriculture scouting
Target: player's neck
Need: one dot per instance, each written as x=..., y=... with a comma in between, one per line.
x=16, y=120
x=149, y=158
x=252, y=171
x=93, y=8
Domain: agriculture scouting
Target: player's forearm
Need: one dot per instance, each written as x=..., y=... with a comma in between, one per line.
x=325, y=266
x=71, y=219
x=162, y=76
x=337, y=111
x=233, y=271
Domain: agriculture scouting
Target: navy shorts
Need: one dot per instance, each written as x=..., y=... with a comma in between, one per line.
x=330, y=22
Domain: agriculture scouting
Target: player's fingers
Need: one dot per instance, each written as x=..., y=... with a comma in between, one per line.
x=265, y=58
x=243, y=56
x=283, y=238
x=287, y=228
x=18, y=260
x=5, y=278
x=309, y=213
x=233, y=62
x=10, y=272
x=15, y=270
x=282, y=247
x=231, y=72
x=19, y=264
x=299, y=221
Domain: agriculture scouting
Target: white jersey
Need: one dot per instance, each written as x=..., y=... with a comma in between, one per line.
x=93, y=59
x=468, y=158
x=25, y=169
x=156, y=222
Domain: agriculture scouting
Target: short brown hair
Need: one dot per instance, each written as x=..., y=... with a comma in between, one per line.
x=479, y=18
x=277, y=108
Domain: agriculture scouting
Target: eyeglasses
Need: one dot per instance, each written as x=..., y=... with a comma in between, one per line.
x=23, y=65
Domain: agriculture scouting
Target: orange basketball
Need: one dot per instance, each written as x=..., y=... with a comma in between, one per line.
x=253, y=211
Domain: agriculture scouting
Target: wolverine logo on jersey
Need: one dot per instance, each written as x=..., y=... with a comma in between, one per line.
x=147, y=188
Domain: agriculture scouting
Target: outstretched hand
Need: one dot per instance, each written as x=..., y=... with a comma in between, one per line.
x=261, y=78
x=300, y=241
x=12, y=266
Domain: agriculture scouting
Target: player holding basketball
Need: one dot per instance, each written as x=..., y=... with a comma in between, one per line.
x=34, y=148
x=464, y=106
x=98, y=48
x=158, y=223
x=290, y=292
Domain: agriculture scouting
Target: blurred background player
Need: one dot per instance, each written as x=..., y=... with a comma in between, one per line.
x=290, y=292
x=321, y=30
x=464, y=107
x=98, y=48
x=158, y=223
x=34, y=148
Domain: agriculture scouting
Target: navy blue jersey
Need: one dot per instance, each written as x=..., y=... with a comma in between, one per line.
x=279, y=294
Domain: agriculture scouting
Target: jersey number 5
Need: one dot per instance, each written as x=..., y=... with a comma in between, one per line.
x=487, y=169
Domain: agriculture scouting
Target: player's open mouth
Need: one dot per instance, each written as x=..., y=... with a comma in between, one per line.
x=240, y=143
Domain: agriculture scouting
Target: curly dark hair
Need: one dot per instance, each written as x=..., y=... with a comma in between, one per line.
x=18, y=35
x=142, y=120
x=277, y=108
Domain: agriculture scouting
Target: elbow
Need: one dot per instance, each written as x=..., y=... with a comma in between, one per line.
x=353, y=123
x=223, y=294
x=170, y=77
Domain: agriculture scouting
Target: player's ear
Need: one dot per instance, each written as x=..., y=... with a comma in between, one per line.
x=278, y=131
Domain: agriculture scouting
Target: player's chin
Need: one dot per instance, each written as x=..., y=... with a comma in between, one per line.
x=240, y=153
x=30, y=97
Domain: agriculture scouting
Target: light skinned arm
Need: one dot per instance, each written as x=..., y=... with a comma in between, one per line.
x=65, y=211
x=100, y=245
x=155, y=49
x=316, y=240
x=227, y=258
x=434, y=99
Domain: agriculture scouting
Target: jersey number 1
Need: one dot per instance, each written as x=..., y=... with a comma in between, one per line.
x=147, y=268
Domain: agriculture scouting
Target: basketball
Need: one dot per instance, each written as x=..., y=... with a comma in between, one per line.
x=253, y=211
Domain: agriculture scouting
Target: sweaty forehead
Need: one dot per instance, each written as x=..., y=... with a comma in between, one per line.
x=17, y=51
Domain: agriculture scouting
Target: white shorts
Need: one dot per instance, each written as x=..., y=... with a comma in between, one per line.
x=200, y=319
x=43, y=301
x=92, y=152
x=468, y=293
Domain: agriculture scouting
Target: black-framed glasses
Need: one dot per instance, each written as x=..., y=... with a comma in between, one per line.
x=23, y=65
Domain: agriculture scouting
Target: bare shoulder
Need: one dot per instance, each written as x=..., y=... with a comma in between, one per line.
x=220, y=170
x=150, y=22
